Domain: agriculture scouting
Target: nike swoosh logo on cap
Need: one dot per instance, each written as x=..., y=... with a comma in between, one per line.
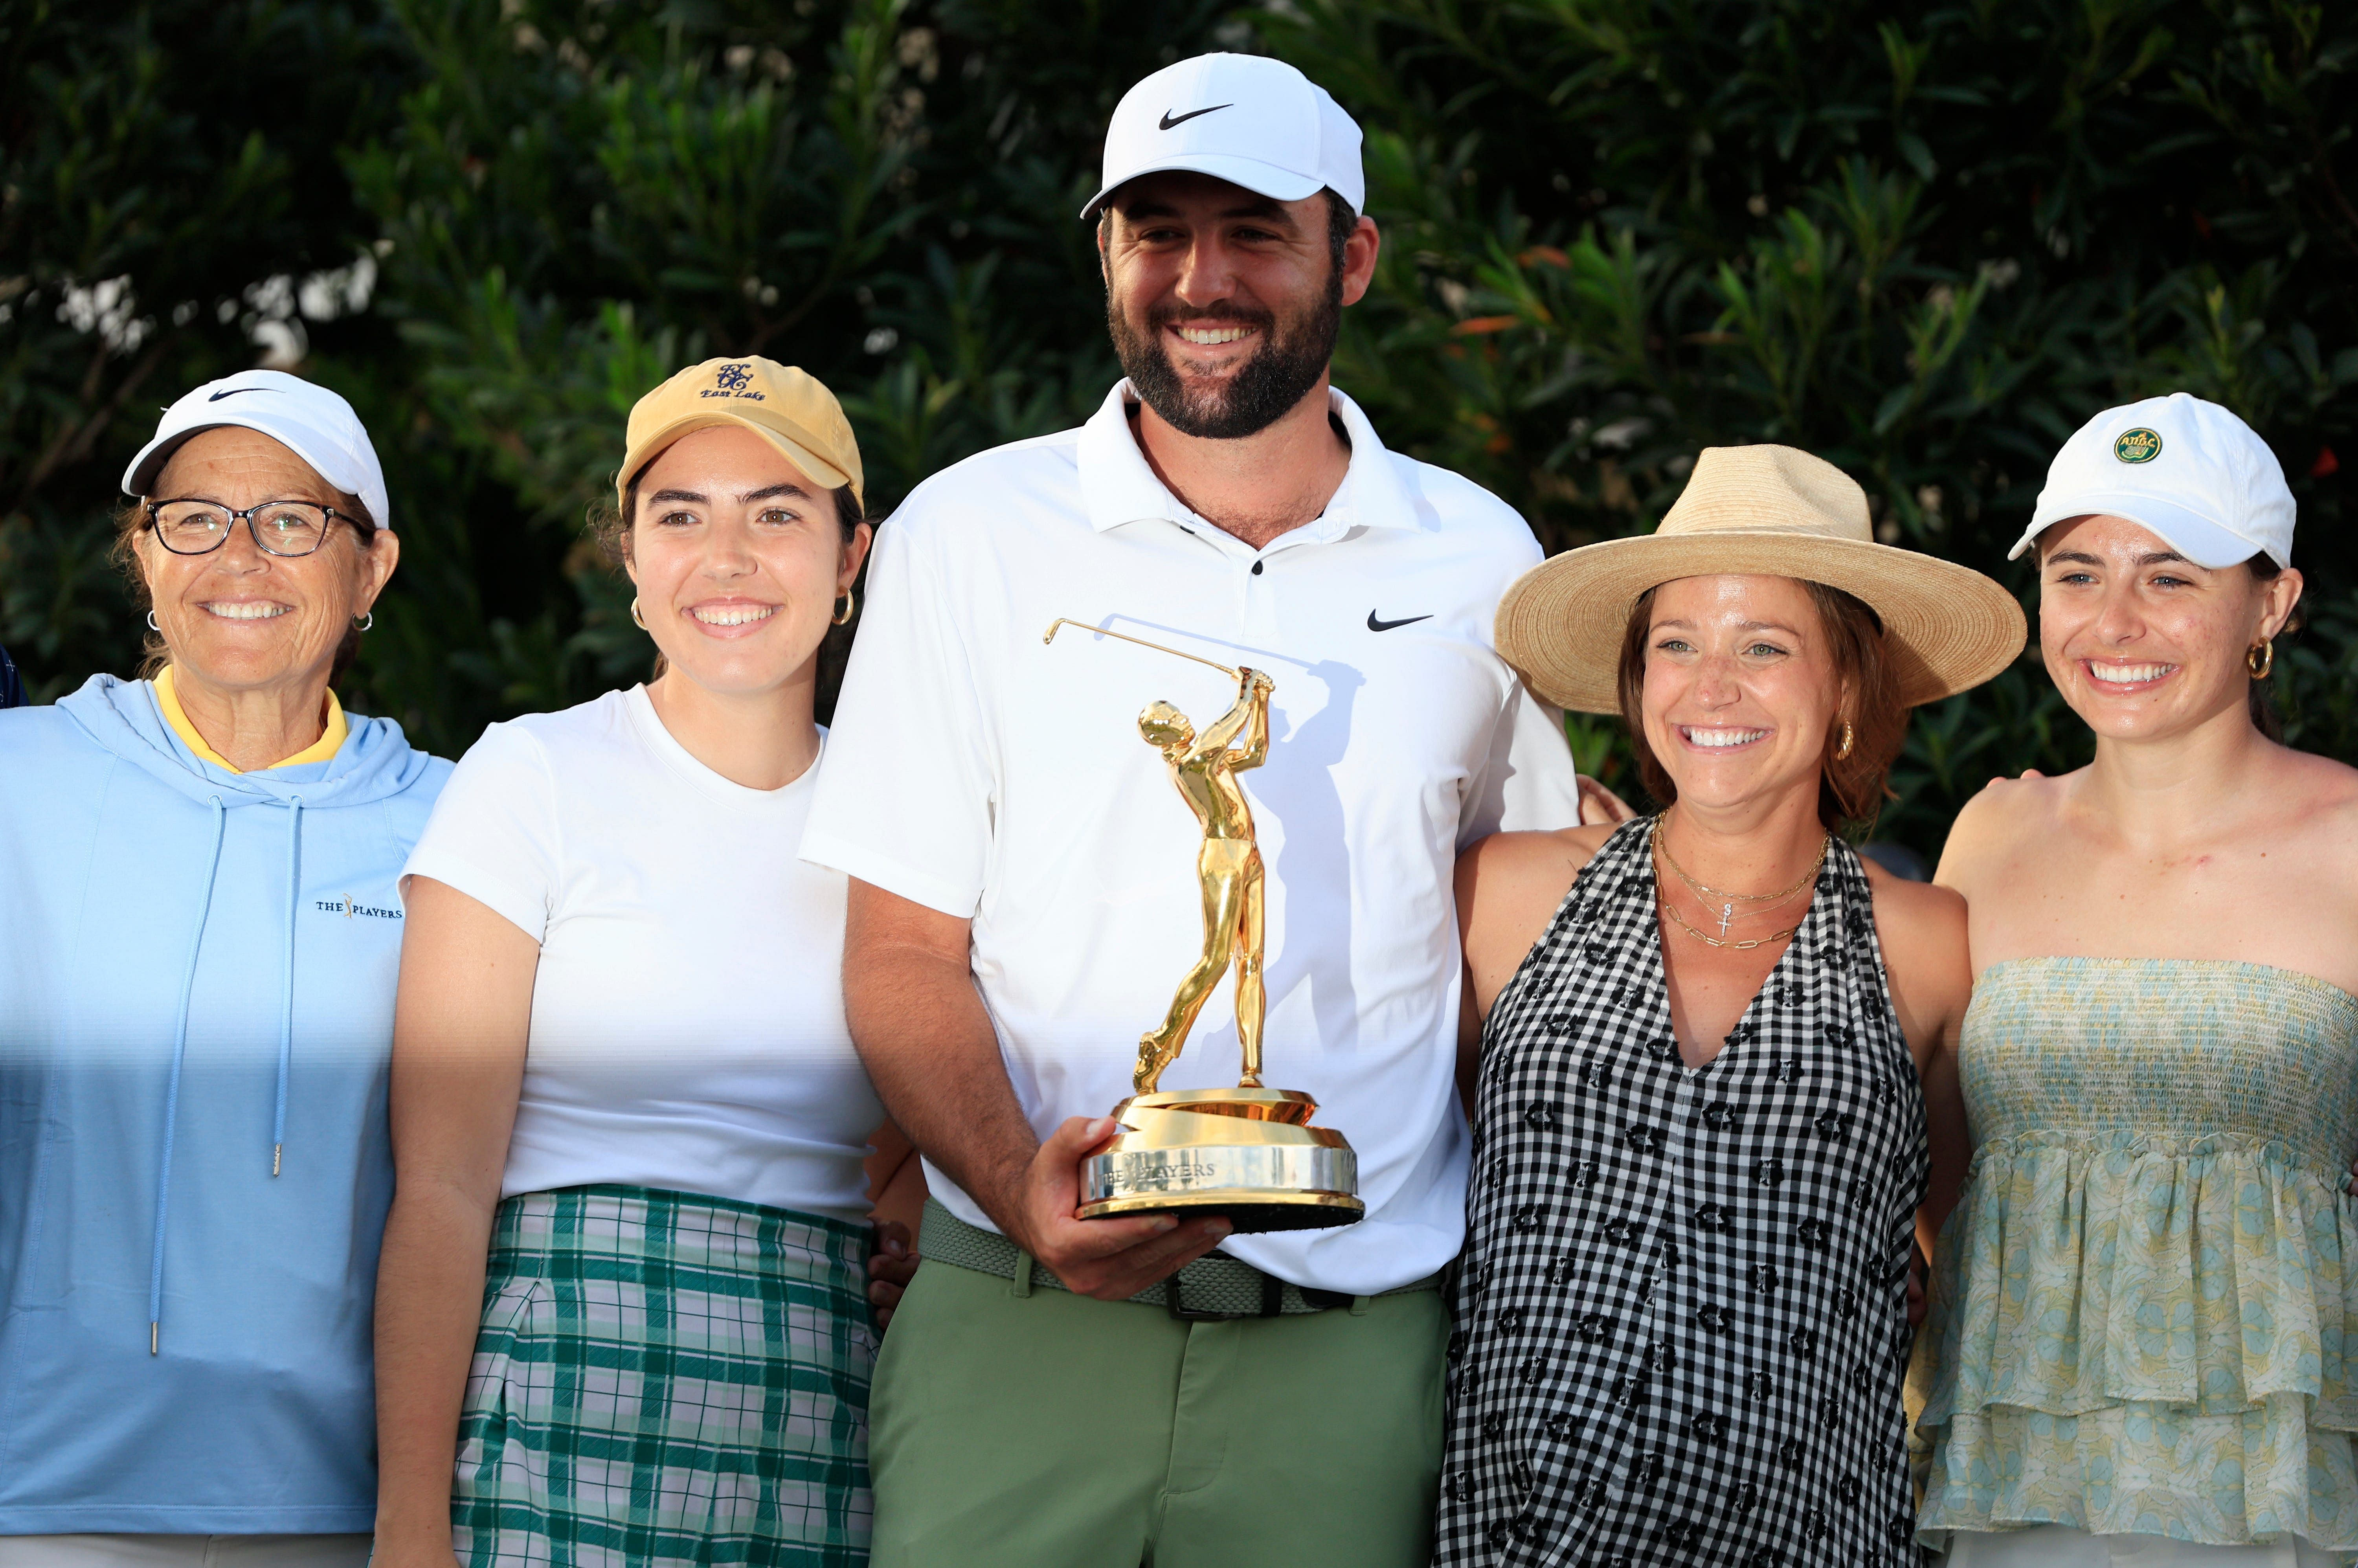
x=1376, y=625
x=1169, y=119
x=233, y=391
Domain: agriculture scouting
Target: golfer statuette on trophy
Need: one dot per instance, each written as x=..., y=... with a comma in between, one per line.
x=1248, y=1153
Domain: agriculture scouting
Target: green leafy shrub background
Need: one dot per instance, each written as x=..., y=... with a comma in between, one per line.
x=1925, y=241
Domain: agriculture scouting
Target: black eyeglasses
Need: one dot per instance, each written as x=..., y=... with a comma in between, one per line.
x=279, y=528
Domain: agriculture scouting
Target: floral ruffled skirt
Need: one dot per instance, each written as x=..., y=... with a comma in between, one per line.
x=2143, y=1302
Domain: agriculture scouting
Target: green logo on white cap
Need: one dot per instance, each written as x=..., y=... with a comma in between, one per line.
x=2138, y=445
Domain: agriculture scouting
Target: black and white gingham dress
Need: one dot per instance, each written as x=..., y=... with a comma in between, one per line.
x=1682, y=1313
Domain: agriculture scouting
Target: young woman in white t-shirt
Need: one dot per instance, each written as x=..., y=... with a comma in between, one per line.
x=620, y=1067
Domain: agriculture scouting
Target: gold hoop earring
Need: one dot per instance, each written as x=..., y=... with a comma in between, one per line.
x=636, y=618
x=843, y=616
x=2261, y=658
x=1841, y=753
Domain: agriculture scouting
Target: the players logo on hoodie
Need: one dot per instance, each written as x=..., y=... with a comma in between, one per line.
x=350, y=907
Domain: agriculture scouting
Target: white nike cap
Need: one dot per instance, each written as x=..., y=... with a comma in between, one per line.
x=1250, y=120
x=2184, y=470
x=310, y=421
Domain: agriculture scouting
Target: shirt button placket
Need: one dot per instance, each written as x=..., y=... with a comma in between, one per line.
x=1256, y=603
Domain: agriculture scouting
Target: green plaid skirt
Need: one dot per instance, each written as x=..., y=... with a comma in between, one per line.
x=664, y=1378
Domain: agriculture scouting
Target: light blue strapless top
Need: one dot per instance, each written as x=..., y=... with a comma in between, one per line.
x=2144, y=1300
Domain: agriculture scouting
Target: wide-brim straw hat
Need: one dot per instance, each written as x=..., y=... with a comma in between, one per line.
x=1760, y=511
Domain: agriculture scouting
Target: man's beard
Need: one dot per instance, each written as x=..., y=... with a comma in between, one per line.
x=1258, y=393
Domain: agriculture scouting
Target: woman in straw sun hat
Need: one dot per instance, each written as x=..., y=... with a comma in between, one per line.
x=1700, y=1135
x=2146, y=1299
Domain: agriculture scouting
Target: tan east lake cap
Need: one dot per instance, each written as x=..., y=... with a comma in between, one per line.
x=786, y=405
x=1758, y=512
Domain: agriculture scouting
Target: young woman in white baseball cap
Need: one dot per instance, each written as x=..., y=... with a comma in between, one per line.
x=2143, y=1300
x=199, y=933
x=621, y=1066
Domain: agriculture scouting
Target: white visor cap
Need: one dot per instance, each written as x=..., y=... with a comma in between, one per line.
x=1250, y=120
x=2184, y=470
x=310, y=421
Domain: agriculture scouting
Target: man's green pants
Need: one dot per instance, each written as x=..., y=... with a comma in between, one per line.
x=1032, y=1428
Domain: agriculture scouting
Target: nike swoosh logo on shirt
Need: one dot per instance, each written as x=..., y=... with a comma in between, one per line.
x=233, y=391
x=1376, y=625
x=1169, y=119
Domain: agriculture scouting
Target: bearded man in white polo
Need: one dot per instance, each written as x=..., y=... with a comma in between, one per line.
x=1058, y=1390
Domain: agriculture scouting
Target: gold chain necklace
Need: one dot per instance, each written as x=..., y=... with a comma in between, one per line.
x=1729, y=900
x=1710, y=941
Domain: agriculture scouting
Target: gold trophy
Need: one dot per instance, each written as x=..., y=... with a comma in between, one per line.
x=1248, y=1153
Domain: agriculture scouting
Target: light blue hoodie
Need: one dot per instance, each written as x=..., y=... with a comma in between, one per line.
x=196, y=985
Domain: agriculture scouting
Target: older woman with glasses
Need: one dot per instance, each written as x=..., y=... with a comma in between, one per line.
x=199, y=938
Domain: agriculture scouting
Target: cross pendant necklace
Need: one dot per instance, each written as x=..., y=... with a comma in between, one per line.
x=1726, y=917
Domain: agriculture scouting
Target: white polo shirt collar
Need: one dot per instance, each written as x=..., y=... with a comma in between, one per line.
x=1119, y=486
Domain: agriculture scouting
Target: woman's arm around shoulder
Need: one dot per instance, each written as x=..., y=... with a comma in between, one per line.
x=1508, y=887
x=1990, y=828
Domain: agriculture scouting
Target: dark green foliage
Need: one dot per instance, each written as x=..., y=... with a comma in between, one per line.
x=1926, y=243
x=150, y=189
x=561, y=203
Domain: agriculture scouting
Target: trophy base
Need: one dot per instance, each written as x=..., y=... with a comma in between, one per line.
x=1247, y=1154
x=1247, y=1212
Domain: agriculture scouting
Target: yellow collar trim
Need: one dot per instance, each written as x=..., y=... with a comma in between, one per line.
x=329, y=742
